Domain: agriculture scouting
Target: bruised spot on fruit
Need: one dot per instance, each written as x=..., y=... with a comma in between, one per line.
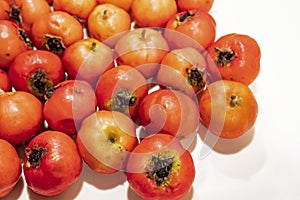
x=160, y=168
x=54, y=44
x=195, y=77
x=34, y=155
x=40, y=85
x=122, y=100
x=224, y=57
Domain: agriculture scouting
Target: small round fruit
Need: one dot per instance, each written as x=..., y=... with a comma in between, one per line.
x=196, y=25
x=52, y=163
x=13, y=41
x=228, y=108
x=108, y=20
x=37, y=72
x=87, y=59
x=70, y=103
x=78, y=8
x=11, y=168
x=184, y=70
x=236, y=56
x=25, y=12
x=105, y=140
x=153, y=13
x=121, y=89
x=21, y=116
x=56, y=31
x=170, y=112
x=142, y=48
x=160, y=168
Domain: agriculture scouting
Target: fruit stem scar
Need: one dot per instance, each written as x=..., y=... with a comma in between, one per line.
x=234, y=100
x=143, y=34
x=105, y=14
x=224, y=57
x=34, y=155
x=93, y=46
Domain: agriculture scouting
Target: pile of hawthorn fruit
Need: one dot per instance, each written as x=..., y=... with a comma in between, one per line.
x=117, y=85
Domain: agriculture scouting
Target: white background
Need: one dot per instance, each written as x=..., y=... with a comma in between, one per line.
x=262, y=164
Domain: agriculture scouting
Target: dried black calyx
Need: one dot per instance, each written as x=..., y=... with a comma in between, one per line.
x=187, y=14
x=54, y=44
x=40, y=85
x=224, y=57
x=34, y=155
x=159, y=169
x=122, y=100
x=25, y=38
x=195, y=77
x=15, y=14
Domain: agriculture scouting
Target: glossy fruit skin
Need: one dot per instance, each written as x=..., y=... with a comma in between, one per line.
x=5, y=84
x=11, y=43
x=78, y=8
x=59, y=167
x=228, y=109
x=153, y=13
x=142, y=48
x=4, y=8
x=59, y=26
x=105, y=140
x=11, y=168
x=36, y=71
x=108, y=20
x=181, y=172
x=70, y=103
x=125, y=4
x=184, y=70
x=202, y=5
x=87, y=59
x=112, y=85
x=236, y=56
x=196, y=25
x=170, y=112
x=21, y=116
x=25, y=12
